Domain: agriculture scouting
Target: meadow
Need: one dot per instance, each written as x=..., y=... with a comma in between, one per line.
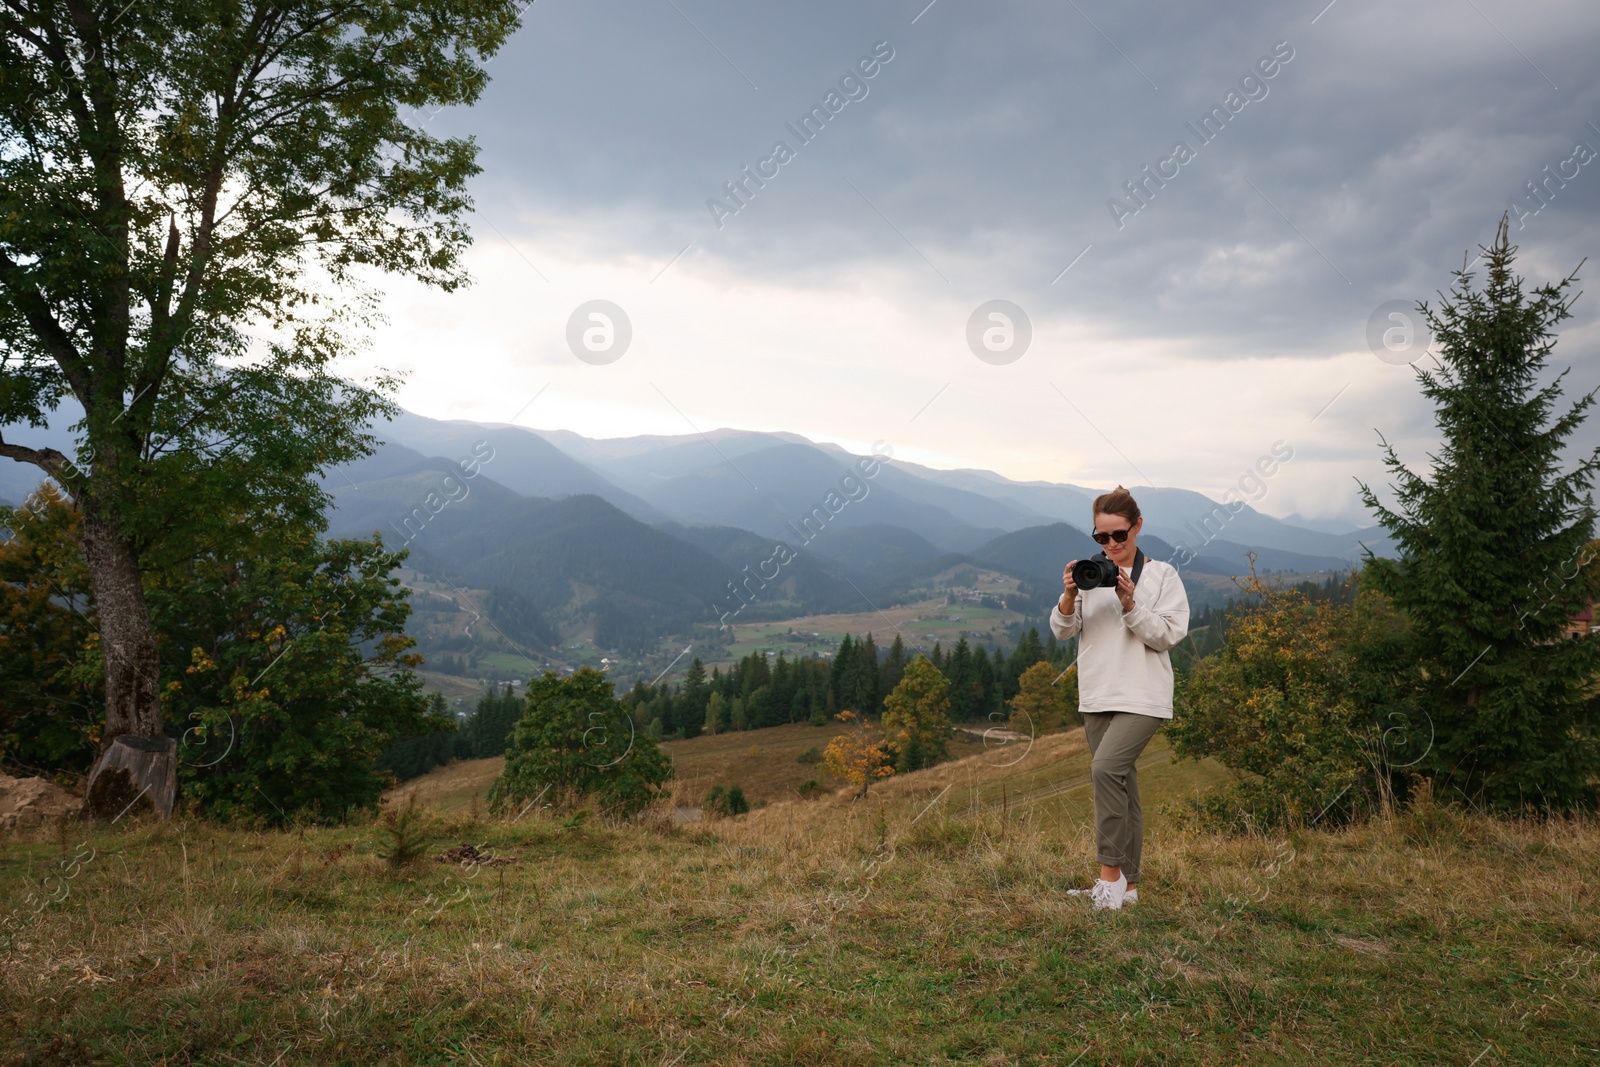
x=926, y=924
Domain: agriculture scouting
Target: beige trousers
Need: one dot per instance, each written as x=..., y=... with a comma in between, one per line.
x=1116, y=738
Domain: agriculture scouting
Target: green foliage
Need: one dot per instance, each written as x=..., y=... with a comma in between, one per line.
x=910, y=755
x=810, y=788
x=1493, y=553
x=692, y=713
x=488, y=732
x=283, y=666
x=810, y=755
x=1046, y=699
x=412, y=757
x=52, y=699
x=285, y=669
x=191, y=200
x=575, y=741
x=916, y=717
x=716, y=717
x=408, y=829
x=725, y=802
x=1306, y=700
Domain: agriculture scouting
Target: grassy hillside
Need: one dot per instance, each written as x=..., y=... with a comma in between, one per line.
x=985, y=774
x=927, y=924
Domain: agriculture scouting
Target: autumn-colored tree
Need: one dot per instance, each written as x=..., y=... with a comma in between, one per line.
x=51, y=701
x=1306, y=702
x=714, y=714
x=916, y=716
x=858, y=756
x=1046, y=699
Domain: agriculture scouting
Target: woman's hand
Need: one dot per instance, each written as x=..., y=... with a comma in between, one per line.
x=1071, y=587
x=1124, y=589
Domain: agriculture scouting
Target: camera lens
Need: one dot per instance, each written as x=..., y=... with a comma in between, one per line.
x=1088, y=574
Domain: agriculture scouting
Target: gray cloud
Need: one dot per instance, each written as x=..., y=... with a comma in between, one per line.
x=993, y=141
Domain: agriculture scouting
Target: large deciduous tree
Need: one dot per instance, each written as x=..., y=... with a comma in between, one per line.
x=1493, y=546
x=187, y=196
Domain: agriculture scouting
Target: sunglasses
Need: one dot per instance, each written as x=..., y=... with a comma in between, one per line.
x=1105, y=538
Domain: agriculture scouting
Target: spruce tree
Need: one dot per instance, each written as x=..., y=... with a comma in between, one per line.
x=962, y=673
x=696, y=691
x=841, y=681
x=1492, y=548
x=1029, y=650
x=870, y=698
x=894, y=665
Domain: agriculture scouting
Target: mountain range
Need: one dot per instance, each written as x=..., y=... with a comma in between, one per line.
x=632, y=540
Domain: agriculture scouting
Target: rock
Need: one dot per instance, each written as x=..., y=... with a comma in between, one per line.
x=26, y=802
x=469, y=856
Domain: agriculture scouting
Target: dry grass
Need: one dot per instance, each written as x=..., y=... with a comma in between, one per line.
x=891, y=930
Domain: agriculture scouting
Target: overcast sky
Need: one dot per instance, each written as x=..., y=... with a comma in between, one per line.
x=1170, y=345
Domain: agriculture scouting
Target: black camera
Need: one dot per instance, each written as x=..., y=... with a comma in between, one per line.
x=1094, y=572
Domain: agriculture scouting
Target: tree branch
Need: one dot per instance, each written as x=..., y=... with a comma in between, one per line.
x=46, y=459
x=45, y=326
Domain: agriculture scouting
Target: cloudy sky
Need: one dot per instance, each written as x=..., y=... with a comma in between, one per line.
x=1176, y=335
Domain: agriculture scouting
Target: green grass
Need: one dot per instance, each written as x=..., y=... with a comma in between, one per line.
x=894, y=930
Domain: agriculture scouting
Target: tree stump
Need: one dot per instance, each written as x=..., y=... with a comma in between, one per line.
x=132, y=770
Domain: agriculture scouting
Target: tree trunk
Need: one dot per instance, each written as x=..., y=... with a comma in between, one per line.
x=128, y=646
x=133, y=772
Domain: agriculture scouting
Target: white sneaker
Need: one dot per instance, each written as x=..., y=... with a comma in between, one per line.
x=1132, y=896
x=1109, y=894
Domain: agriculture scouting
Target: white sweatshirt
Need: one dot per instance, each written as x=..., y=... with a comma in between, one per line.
x=1123, y=663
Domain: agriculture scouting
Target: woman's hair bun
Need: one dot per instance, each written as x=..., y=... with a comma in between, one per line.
x=1117, y=502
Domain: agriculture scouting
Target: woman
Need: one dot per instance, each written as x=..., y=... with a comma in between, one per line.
x=1124, y=681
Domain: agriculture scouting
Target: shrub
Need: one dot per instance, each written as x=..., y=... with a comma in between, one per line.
x=1304, y=700
x=576, y=741
x=810, y=755
x=409, y=830
x=725, y=803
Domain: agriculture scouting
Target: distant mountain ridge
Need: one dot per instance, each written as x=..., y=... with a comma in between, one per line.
x=972, y=500
x=633, y=540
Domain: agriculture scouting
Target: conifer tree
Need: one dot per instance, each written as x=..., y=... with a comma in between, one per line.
x=841, y=680
x=1492, y=548
x=961, y=672
x=894, y=666
x=1029, y=650
x=696, y=691
x=868, y=696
